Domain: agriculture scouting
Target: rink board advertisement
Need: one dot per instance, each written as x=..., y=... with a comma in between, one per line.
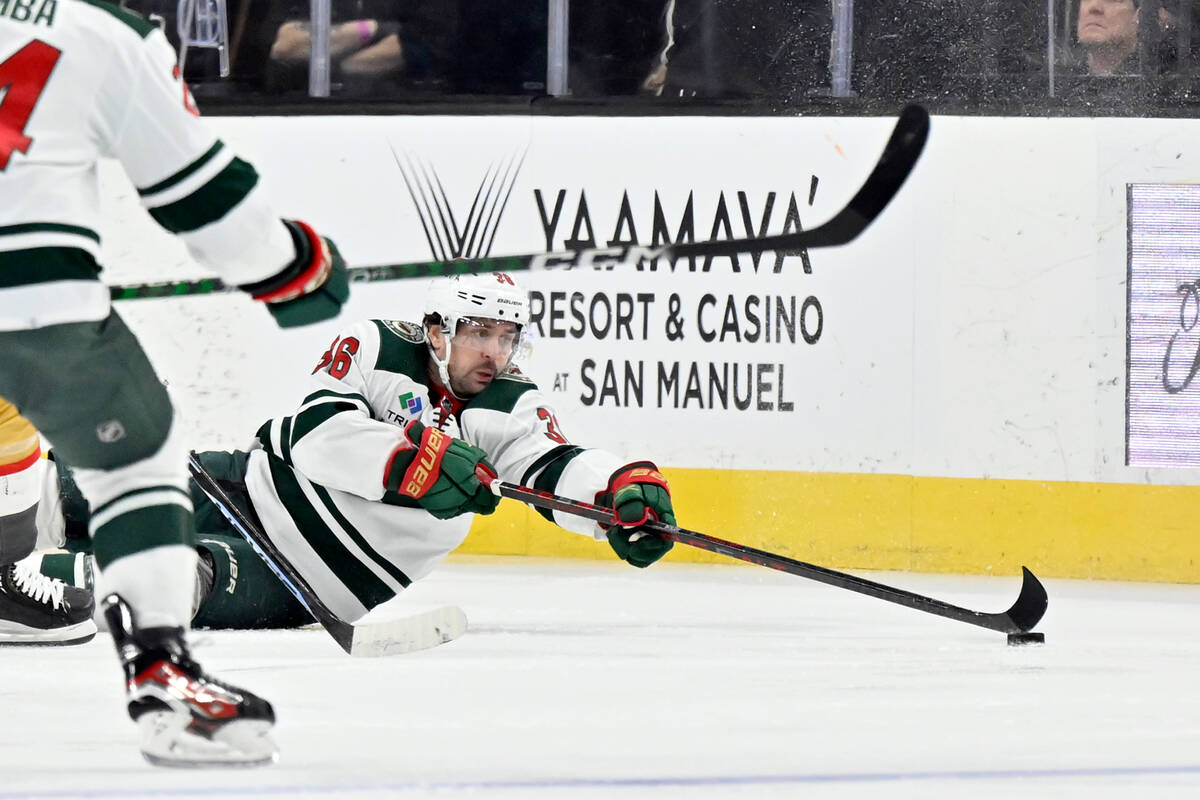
x=1164, y=342
x=756, y=351
x=947, y=392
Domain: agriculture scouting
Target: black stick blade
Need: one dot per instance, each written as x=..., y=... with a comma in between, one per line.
x=1031, y=603
x=900, y=155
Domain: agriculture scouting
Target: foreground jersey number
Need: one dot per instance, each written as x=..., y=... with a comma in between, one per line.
x=23, y=76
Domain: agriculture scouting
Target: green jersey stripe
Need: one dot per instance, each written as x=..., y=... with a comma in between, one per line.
x=139, y=24
x=548, y=458
x=285, y=440
x=315, y=409
x=100, y=509
x=358, y=539
x=263, y=434
x=211, y=202
x=312, y=417
x=358, y=579
x=48, y=227
x=402, y=350
x=502, y=394
x=44, y=264
x=141, y=529
x=551, y=465
x=325, y=394
x=184, y=173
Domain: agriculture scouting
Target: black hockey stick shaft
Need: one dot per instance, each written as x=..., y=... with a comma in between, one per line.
x=341, y=631
x=900, y=155
x=1025, y=613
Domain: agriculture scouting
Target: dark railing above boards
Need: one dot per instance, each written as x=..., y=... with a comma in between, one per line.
x=663, y=57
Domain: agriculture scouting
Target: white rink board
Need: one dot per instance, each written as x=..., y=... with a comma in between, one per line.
x=976, y=330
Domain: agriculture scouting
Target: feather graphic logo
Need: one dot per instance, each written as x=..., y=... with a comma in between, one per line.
x=448, y=239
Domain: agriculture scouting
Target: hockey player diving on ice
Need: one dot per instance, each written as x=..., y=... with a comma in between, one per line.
x=336, y=485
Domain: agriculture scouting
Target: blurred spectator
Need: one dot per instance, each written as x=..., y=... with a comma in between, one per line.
x=1107, y=32
x=358, y=47
x=1126, y=37
x=372, y=44
x=743, y=48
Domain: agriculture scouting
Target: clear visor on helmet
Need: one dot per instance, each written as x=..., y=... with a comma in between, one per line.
x=501, y=340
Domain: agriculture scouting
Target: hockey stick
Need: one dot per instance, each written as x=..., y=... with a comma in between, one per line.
x=899, y=157
x=1019, y=619
x=383, y=638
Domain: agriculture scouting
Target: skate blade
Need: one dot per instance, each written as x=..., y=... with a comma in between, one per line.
x=23, y=635
x=166, y=742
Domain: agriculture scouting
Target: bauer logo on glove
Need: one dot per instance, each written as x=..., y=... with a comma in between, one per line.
x=439, y=472
x=424, y=468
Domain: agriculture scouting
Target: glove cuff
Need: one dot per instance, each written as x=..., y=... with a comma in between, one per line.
x=425, y=462
x=311, y=268
x=634, y=474
x=402, y=457
x=637, y=472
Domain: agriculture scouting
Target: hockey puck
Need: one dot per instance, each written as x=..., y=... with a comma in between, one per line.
x=1025, y=639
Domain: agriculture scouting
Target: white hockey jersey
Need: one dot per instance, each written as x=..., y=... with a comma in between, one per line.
x=82, y=80
x=317, y=483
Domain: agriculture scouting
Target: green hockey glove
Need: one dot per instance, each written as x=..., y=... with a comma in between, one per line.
x=439, y=473
x=310, y=289
x=638, y=492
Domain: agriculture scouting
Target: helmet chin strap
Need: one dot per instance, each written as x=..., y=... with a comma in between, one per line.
x=443, y=368
x=443, y=364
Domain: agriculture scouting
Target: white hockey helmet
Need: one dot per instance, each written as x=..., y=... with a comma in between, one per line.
x=462, y=298
x=489, y=295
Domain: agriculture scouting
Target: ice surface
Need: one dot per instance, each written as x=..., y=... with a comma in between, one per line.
x=586, y=679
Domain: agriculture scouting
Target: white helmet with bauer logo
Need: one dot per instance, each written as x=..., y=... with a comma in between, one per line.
x=490, y=295
x=460, y=299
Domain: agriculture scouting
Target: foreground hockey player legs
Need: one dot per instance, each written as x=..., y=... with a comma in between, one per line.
x=96, y=81
x=186, y=718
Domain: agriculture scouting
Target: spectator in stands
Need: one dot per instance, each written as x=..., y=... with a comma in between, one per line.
x=370, y=43
x=1108, y=36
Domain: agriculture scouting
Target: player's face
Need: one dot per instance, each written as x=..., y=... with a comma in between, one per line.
x=1108, y=22
x=480, y=350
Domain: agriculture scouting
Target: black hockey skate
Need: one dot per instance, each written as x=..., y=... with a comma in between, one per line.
x=38, y=610
x=186, y=718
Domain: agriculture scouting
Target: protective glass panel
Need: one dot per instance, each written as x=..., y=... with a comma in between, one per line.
x=1047, y=57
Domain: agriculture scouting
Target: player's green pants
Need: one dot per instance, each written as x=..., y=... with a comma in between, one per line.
x=245, y=592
